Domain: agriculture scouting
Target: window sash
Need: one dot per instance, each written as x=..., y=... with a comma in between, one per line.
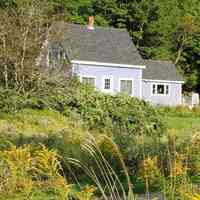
x=88, y=80
x=107, y=83
x=126, y=87
x=160, y=89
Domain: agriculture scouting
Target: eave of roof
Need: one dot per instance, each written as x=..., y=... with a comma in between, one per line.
x=92, y=63
x=162, y=81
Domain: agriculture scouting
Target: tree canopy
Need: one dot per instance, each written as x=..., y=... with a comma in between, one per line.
x=160, y=29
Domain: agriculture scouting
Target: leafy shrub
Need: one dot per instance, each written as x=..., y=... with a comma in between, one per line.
x=117, y=113
x=110, y=114
x=122, y=117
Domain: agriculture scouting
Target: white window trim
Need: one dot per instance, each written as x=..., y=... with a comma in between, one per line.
x=111, y=90
x=163, y=81
x=181, y=96
x=86, y=76
x=126, y=79
x=91, y=63
x=141, y=84
x=165, y=84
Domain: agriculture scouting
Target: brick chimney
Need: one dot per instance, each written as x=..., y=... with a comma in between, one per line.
x=91, y=23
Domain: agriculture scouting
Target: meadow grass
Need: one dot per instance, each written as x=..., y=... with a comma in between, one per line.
x=182, y=123
x=30, y=122
x=182, y=126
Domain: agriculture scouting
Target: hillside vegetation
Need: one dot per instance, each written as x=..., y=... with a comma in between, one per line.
x=127, y=134
x=167, y=30
x=63, y=140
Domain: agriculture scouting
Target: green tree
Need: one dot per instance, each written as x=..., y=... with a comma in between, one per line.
x=190, y=65
x=140, y=15
x=186, y=30
x=74, y=11
x=23, y=28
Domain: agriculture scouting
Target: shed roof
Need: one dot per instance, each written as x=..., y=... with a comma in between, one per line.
x=161, y=70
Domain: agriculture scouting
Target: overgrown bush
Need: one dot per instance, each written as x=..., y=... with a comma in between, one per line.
x=60, y=114
x=110, y=114
x=47, y=93
x=124, y=118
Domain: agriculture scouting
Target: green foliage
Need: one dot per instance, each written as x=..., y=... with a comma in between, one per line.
x=117, y=113
x=110, y=114
x=127, y=120
x=160, y=29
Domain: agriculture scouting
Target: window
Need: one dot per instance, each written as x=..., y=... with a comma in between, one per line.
x=126, y=87
x=107, y=83
x=160, y=89
x=88, y=80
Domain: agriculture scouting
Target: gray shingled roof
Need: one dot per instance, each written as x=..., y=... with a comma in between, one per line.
x=107, y=45
x=161, y=70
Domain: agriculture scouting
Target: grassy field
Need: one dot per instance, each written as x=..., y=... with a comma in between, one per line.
x=183, y=123
x=182, y=126
x=30, y=122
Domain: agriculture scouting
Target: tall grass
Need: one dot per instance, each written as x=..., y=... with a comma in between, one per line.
x=103, y=175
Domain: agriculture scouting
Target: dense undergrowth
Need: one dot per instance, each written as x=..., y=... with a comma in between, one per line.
x=35, y=173
x=63, y=116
